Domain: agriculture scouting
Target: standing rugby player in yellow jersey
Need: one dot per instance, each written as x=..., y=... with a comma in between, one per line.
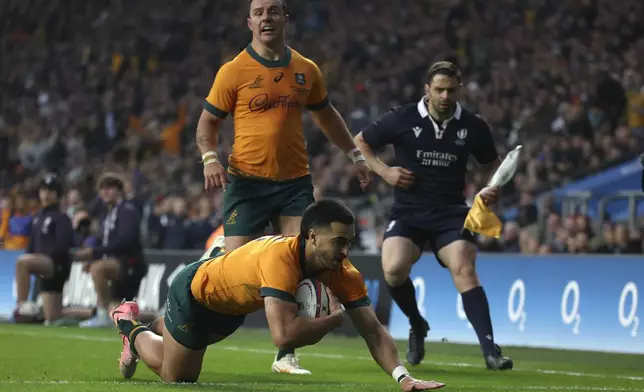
x=266, y=87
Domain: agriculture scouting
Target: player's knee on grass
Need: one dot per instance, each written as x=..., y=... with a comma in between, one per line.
x=398, y=256
x=173, y=377
x=180, y=364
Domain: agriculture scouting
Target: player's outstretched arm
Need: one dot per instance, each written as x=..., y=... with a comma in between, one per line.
x=384, y=352
x=290, y=331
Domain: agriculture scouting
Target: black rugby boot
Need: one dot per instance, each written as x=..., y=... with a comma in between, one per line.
x=497, y=361
x=416, y=343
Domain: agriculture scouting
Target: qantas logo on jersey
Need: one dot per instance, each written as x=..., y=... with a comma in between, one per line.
x=261, y=103
x=436, y=158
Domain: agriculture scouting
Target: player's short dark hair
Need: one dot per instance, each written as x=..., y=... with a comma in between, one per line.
x=52, y=182
x=111, y=180
x=446, y=68
x=281, y=1
x=322, y=213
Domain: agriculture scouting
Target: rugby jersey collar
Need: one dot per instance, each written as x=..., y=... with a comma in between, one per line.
x=422, y=110
x=283, y=62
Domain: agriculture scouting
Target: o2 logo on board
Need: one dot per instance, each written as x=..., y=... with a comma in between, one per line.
x=571, y=294
x=419, y=286
x=629, y=319
x=516, y=304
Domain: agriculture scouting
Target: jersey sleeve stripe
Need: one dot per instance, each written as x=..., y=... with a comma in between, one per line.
x=215, y=111
x=319, y=106
x=279, y=294
x=358, y=303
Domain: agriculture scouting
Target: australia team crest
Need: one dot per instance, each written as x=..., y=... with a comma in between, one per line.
x=300, y=79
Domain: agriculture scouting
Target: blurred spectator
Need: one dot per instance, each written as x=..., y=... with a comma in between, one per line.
x=203, y=224
x=578, y=243
x=84, y=233
x=18, y=226
x=625, y=242
x=545, y=249
x=488, y=244
x=528, y=212
x=175, y=226
x=510, y=239
x=605, y=242
x=117, y=264
x=47, y=255
x=528, y=244
x=5, y=214
x=74, y=202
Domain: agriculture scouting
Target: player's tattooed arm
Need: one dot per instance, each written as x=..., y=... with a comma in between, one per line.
x=207, y=132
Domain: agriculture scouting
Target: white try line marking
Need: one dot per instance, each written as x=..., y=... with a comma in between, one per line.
x=290, y=385
x=323, y=355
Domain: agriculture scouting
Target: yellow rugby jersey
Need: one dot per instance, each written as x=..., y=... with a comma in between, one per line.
x=237, y=282
x=635, y=109
x=266, y=98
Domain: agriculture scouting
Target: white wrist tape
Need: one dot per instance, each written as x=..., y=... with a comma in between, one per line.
x=399, y=373
x=209, y=154
x=209, y=157
x=355, y=155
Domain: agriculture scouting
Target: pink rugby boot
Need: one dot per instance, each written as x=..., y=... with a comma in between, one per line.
x=126, y=311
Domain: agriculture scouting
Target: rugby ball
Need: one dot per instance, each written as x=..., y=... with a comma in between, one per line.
x=312, y=299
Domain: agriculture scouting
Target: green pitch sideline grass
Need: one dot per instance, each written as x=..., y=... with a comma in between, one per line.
x=34, y=358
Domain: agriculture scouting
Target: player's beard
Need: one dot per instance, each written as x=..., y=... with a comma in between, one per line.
x=444, y=109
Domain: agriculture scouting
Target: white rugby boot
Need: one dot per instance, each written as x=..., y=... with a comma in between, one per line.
x=288, y=364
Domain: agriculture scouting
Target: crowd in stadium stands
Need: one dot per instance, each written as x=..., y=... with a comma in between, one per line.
x=89, y=86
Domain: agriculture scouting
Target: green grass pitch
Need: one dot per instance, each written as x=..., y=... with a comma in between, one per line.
x=34, y=358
